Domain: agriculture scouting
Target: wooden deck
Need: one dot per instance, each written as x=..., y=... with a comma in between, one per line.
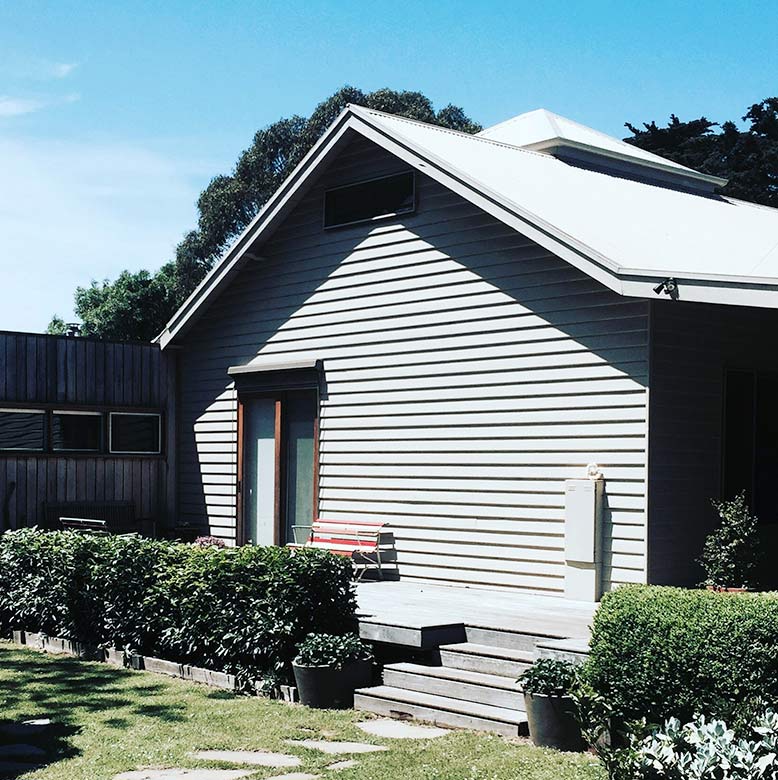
x=426, y=616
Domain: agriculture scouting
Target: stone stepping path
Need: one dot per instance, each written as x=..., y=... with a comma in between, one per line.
x=385, y=727
x=399, y=729
x=185, y=774
x=336, y=748
x=248, y=757
x=340, y=765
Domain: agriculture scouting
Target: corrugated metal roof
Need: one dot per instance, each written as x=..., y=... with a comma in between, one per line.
x=641, y=228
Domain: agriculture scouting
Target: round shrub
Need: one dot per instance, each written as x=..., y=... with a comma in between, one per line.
x=660, y=652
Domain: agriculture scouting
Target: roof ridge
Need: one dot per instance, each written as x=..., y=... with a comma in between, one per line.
x=440, y=128
x=512, y=119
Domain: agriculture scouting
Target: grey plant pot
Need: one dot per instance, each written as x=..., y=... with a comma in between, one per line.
x=324, y=687
x=552, y=722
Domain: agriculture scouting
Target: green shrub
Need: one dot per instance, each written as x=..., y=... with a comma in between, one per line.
x=332, y=650
x=242, y=610
x=732, y=553
x=659, y=652
x=549, y=677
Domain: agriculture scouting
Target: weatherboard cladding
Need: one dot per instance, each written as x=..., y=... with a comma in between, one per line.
x=468, y=373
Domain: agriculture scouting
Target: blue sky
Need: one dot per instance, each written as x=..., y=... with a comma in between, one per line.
x=113, y=116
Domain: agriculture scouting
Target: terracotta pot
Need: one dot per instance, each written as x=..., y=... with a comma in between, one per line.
x=721, y=589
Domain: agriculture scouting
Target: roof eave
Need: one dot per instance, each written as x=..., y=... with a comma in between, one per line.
x=551, y=145
x=226, y=265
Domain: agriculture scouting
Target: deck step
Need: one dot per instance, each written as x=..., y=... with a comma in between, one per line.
x=513, y=640
x=487, y=659
x=456, y=684
x=441, y=710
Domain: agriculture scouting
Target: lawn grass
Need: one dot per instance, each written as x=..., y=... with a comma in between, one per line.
x=113, y=720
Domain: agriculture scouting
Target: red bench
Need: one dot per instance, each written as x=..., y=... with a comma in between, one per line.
x=359, y=540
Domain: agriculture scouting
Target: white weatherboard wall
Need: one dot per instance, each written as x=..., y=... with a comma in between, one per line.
x=469, y=373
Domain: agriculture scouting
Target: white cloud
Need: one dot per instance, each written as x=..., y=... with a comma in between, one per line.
x=71, y=212
x=19, y=106
x=11, y=106
x=61, y=70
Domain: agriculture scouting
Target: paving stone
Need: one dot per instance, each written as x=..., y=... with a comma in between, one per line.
x=340, y=765
x=336, y=748
x=28, y=729
x=21, y=752
x=252, y=757
x=184, y=774
x=294, y=776
x=13, y=769
x=398, y=729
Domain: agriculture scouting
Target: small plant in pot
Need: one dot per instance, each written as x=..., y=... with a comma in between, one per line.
x=732, y=553
x=329, y=668
x=551, y=710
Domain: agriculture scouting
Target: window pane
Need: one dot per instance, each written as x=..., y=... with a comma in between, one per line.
x=79, y=432
x=368, y=200
x=135, y=433
x=22, y=430
x=259, y=469
x=300, y=413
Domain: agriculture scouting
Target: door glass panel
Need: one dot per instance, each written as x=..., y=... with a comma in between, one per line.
x=739, y=434
x=300, y=416
x=260, y=441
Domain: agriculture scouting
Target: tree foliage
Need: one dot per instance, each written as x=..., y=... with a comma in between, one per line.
x=748, y=158
x=137, y=305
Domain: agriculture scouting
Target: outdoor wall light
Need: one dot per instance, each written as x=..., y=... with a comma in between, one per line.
x=669, y=286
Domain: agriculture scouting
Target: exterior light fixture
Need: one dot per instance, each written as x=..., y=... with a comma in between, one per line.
x=669, y=287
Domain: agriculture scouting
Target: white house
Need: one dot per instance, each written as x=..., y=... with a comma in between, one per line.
x=437, y=330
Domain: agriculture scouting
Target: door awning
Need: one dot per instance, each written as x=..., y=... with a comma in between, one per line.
x=268, y=376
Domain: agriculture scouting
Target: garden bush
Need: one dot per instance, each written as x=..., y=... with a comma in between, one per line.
x=240, y=610
x=660, y=652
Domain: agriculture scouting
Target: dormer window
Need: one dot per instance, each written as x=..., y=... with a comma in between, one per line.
x=370, y=200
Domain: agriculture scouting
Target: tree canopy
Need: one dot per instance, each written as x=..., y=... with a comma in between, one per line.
x=748, y=158
x=136, y=305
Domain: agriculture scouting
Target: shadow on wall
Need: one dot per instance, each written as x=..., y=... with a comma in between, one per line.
x=468, y=275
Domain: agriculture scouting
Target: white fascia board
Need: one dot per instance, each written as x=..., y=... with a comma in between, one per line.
x=238, y=253
x=706, y=291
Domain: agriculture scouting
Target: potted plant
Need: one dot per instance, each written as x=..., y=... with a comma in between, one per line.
x=731, y=554
x=551, y=710
x=329, y=668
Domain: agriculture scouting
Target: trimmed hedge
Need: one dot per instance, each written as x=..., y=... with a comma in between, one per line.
x=239, y=610
x=660, y=652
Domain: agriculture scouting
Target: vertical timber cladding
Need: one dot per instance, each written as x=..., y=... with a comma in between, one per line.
x=469, y=372
x=54, y=372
